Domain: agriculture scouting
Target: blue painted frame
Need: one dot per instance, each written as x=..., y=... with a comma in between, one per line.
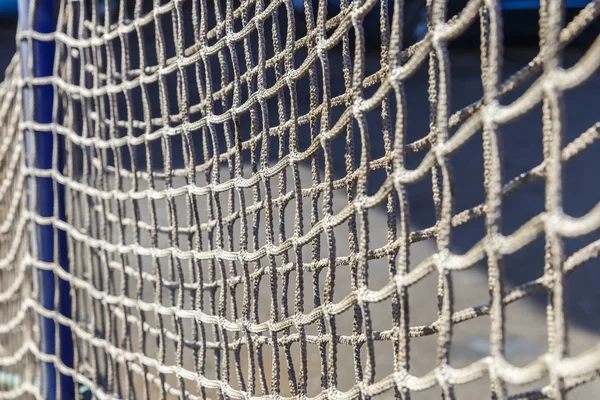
x=535, y=4
x=46, y=146
x=8, y=8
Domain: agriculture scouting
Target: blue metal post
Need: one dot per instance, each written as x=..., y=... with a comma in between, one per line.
x=46, y=146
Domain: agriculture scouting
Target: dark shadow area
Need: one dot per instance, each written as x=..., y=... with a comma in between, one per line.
x=8, y=28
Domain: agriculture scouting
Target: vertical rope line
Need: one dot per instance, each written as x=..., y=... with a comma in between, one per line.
x=226, y=231
x=314, y=127
x=269, y=208
x=187, y=149
x=223, y=366
x=113, y=116
x=200, y=14
x=71, y=198
x=197, y=300
x=327, y=205
x=105, y=129
x=392, y=198
x=146, y=112
x=254, y=294
x=99, y=227
x=31, y=159
x=108, y=231
x=25, y=111
x=298, y=214
x=167, y=155
x=361, y=194
x=434, y=76
x=402, y=320
x=86, y=132
x=352, y=192
x=235, y=171
x=445, y=294
x=134, y=206
x=282, y=150
x=551, y=21
x=491, y=67
x=151, y=204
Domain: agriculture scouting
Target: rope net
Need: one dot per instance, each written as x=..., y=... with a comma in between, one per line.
x=213, y=204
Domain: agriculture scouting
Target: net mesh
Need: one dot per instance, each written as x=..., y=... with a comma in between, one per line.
x=18, y=365
x=215, y=192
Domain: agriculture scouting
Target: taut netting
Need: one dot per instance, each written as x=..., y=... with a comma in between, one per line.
x=226, y=193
